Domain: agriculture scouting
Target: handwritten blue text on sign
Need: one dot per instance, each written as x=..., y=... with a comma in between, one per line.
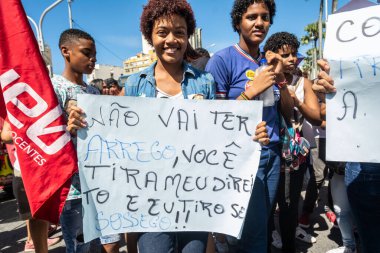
x=150, y=165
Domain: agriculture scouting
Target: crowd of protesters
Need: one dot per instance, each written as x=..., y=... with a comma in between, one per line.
x=292, y=134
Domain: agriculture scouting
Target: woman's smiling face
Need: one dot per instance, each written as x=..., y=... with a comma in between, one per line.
x=170, y=39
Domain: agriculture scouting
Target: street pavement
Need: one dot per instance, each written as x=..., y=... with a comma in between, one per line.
x=13, y=231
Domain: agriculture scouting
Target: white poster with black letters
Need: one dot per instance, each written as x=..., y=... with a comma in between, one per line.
x=151, y=165
x=353, y=115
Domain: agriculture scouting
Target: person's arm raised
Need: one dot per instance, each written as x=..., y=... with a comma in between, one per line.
x=322, y=85
x=310, y=108
x=286, y=101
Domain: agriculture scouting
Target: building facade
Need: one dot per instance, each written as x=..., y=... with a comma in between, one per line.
x=139, y=62
x=104, y=71
x=196, y=39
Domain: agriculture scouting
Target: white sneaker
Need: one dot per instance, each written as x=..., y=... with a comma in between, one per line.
x=277, y=242
x=305, y=237
x=341, y=250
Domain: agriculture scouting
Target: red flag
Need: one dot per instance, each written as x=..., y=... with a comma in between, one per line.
x=46, y=154
x=3, y=111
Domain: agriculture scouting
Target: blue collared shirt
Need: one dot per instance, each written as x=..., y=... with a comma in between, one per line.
x=194, y=83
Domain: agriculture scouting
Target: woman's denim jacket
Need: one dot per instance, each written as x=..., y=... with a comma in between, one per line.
x=195, y=83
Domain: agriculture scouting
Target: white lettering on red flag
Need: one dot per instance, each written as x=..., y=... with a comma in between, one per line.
x=46, y=155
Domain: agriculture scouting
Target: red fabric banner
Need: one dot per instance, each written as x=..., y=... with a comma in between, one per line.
x=44, y=148
x=3, y=111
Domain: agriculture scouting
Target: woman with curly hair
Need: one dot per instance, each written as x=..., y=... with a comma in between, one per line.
x=234, y=70
x=167, y=26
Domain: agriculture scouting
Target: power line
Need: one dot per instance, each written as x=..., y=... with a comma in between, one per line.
x=100, y=43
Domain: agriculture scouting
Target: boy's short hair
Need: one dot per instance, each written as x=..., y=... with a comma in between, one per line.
x=70, y=35
x=277, y=40
x=156, y=9
x=240, y=7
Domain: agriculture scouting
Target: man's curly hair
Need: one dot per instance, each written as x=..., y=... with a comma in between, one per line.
x=156, y=9
x=277, y=40
x=240, y=7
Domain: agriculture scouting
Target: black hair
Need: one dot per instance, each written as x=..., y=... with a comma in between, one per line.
x=240, y=7
x=70, y=35
x=277, y=40
x=110, y=81
x=156, y=9
x=202, y=52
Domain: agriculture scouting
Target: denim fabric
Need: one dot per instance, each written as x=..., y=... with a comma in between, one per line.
x=186, y=242
x=363, y=190
x=343, y=211
x=254, y=235
x=109, y=239
x=72, y=226
x=195, y=82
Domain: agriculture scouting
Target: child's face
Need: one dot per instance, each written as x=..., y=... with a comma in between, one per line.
x=255, y=23
x=170, y=39
x=289, y=56
x=82, y=56
x=105, y=89
x=114, y=89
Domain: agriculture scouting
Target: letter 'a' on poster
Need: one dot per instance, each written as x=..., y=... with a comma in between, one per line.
x=152, y=165
x=353, y=115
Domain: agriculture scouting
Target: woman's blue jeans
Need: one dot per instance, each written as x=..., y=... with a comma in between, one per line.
x=185, y=242
x=254, y=235
x=72, y=226
x=363, y=191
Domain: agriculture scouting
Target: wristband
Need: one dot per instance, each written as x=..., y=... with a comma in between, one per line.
x=282, y=84
x=244, y=96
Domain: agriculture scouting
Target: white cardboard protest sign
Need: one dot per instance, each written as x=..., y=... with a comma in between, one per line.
x=353, y=113
x=150, y=165
x=353, y=33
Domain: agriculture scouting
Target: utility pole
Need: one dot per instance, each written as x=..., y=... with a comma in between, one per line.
x=44, y=49
x=334, y=6
x=320, y=29
x=70, y=15
x=35, y=26
x=41, y=38
x=46, y=53
x=313, y=72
